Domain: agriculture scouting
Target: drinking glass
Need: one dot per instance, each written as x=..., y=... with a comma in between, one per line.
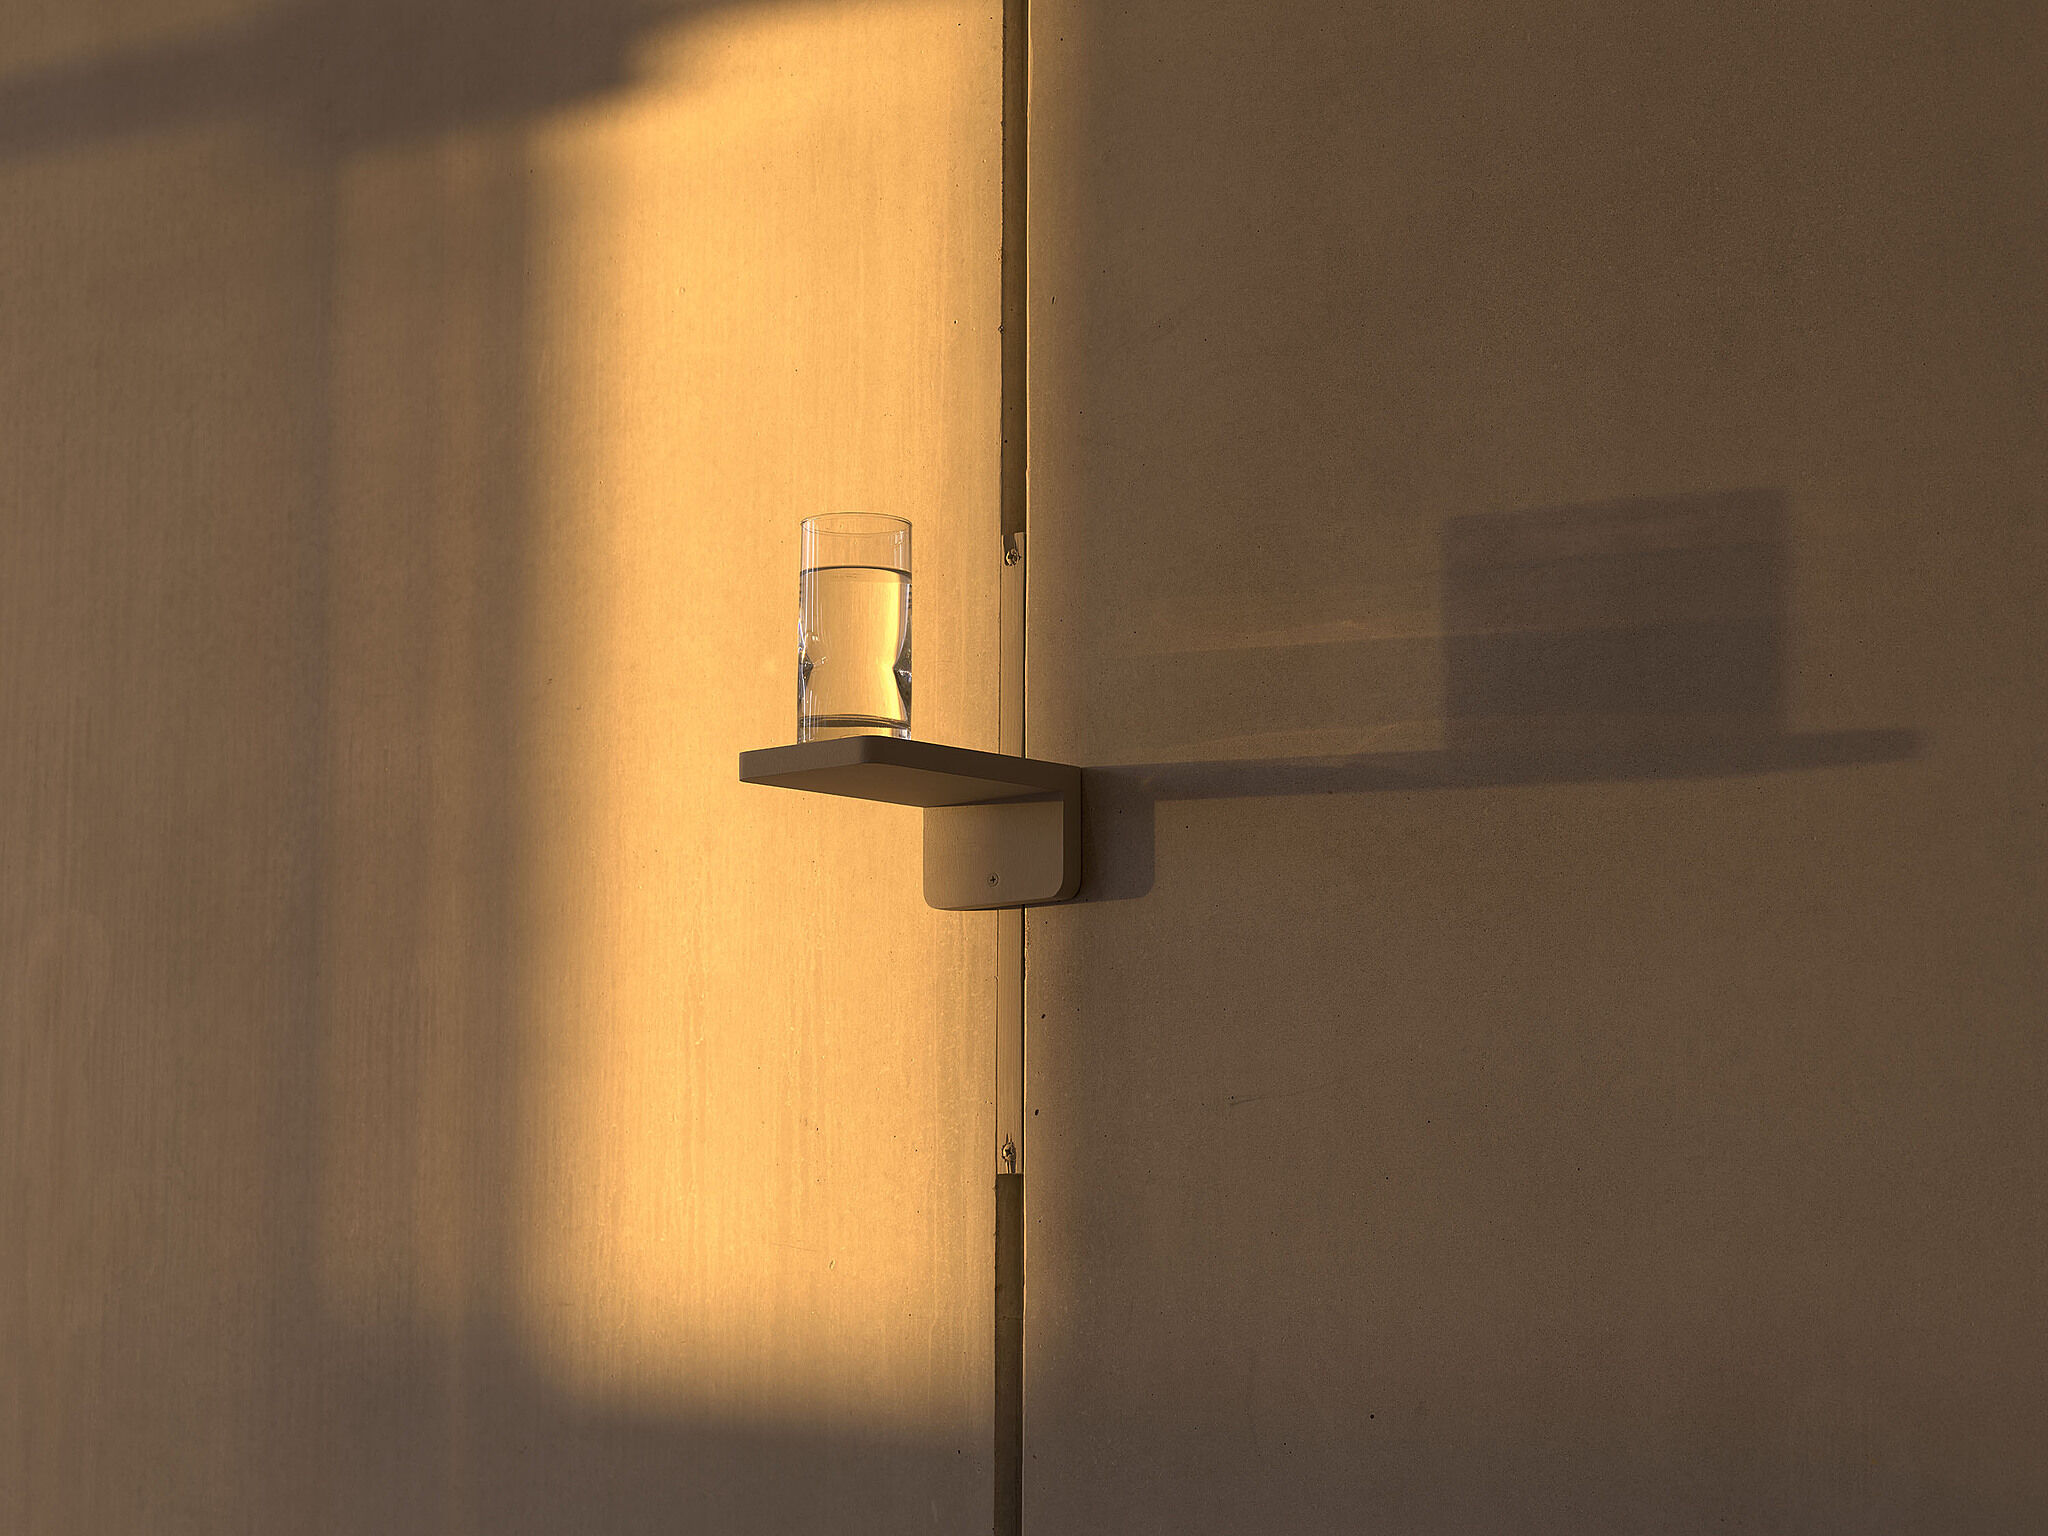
x=853, y=627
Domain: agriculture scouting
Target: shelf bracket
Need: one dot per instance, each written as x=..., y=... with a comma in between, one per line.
x=999, y=831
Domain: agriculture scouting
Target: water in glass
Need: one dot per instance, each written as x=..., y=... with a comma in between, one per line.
x=853, y=652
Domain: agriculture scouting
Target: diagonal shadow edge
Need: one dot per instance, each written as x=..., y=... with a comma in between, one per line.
x=341, y=74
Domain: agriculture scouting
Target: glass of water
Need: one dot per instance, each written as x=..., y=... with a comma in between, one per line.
x=853, y=627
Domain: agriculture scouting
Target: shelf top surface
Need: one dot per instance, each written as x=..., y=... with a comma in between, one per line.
x=906, y=772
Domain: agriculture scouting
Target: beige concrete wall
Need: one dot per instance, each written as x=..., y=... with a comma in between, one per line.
x=1546, y=501
x=435, y=1095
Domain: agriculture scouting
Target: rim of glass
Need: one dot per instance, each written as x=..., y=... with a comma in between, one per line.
x=857, y=522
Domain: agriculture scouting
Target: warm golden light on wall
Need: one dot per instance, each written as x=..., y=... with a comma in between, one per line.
x=756, y=1084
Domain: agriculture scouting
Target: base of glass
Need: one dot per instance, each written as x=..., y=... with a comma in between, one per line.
x=832, y=727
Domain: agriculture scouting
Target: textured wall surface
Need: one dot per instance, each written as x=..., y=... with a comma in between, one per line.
x=1538, y=535
x=1545, y=501
x=436, y=1096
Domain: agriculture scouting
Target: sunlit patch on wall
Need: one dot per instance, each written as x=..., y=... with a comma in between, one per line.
x=752, y=1106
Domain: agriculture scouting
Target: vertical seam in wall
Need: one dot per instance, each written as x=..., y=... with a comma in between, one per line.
x=1015, y=179
x=1014, y=421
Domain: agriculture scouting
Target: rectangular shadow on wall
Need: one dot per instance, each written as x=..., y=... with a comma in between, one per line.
x=1635, y=639
x=1633, y=630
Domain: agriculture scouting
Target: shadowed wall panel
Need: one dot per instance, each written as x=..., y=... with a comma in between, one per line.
x=1544, y=504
